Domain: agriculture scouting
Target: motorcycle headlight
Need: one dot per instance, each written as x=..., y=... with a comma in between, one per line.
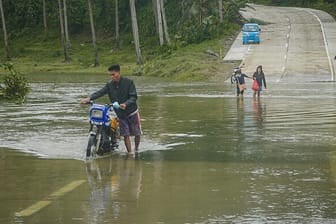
x=97, y=113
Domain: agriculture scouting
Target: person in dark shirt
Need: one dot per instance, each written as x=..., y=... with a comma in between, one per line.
x=123, y=95
x=260, y=77
x=240, y=81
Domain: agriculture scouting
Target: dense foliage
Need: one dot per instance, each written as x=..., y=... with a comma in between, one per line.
x=189, y=21
x=13, y=86
x=325, y=5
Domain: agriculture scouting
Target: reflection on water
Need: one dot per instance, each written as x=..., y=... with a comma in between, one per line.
x=206, y=156
x=259, y=112
x=108, y=180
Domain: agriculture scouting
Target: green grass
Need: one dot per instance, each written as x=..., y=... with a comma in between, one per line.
x=192, y=62
x=37, y=57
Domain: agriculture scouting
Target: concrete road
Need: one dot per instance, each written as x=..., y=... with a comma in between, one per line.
x=297, y=44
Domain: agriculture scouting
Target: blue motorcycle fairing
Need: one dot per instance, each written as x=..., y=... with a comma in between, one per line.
x=99, y=113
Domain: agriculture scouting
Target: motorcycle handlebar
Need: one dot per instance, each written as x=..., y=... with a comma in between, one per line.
x=114, y=105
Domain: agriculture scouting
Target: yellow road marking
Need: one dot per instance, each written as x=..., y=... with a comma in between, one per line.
x=33, y=209
x=67, y=188
x=42, y=204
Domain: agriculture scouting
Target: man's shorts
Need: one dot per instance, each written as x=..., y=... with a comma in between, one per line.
x=131, y=125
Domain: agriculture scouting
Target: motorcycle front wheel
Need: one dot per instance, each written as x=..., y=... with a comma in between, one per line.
x=91, y=145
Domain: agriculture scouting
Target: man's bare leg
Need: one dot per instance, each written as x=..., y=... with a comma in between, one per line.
x=137, y=142
x=127, y=142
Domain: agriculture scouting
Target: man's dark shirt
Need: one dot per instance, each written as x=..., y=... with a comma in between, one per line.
x=123, y=91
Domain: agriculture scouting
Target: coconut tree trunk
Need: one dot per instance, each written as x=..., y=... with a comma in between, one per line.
x=154, y=3
x=159, y=16
x=164, y=21
x=4, y=31
x=62, y=31
x=96, y=62
x=200, y=12
x=135, y=31
x=66, y=29
x=45, y=25
x=117, y=36
x=220, y=10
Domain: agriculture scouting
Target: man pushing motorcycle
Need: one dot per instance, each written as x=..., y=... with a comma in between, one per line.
x=123, y=96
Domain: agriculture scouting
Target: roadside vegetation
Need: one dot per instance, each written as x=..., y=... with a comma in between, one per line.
x=175, y=39
x=328, y=6
x=13, y=85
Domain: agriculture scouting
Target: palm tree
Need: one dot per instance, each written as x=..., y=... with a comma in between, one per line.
x=220, y=10
x=117, y=38
x=164, y=21
x=4, y=31
x=45, y=25
x=135, y=31
x=66, y=29
x=62, y=31
x=159, y=20
x=96, y=62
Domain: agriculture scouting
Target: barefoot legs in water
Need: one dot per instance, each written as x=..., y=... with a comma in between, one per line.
x=128, y=145
x=256, y=93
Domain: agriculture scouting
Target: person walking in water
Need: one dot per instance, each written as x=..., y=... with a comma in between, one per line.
x=259, y=76
x=240, y=81
x=123, y=95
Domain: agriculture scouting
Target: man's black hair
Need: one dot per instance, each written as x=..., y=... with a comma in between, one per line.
x=115, y=67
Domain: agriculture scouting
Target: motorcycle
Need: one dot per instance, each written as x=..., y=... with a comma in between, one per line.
x=234, y=75
x=104, y=130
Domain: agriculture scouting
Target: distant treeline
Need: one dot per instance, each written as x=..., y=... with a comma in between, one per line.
x=127, y=22
x=155, y=21
x=325, y=5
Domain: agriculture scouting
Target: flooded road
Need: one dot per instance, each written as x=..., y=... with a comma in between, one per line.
x=206, y=156
x=293, y=41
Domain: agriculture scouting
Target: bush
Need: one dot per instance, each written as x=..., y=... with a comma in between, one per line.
x=13, y=86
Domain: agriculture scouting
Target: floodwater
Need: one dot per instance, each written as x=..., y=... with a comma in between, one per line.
x=206, y=156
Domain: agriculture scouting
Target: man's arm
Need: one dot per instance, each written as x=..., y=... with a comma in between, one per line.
x=132, y=95
x=96, y=95
x=99, y=93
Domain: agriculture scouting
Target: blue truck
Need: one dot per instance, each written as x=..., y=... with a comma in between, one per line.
x=251, y=33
